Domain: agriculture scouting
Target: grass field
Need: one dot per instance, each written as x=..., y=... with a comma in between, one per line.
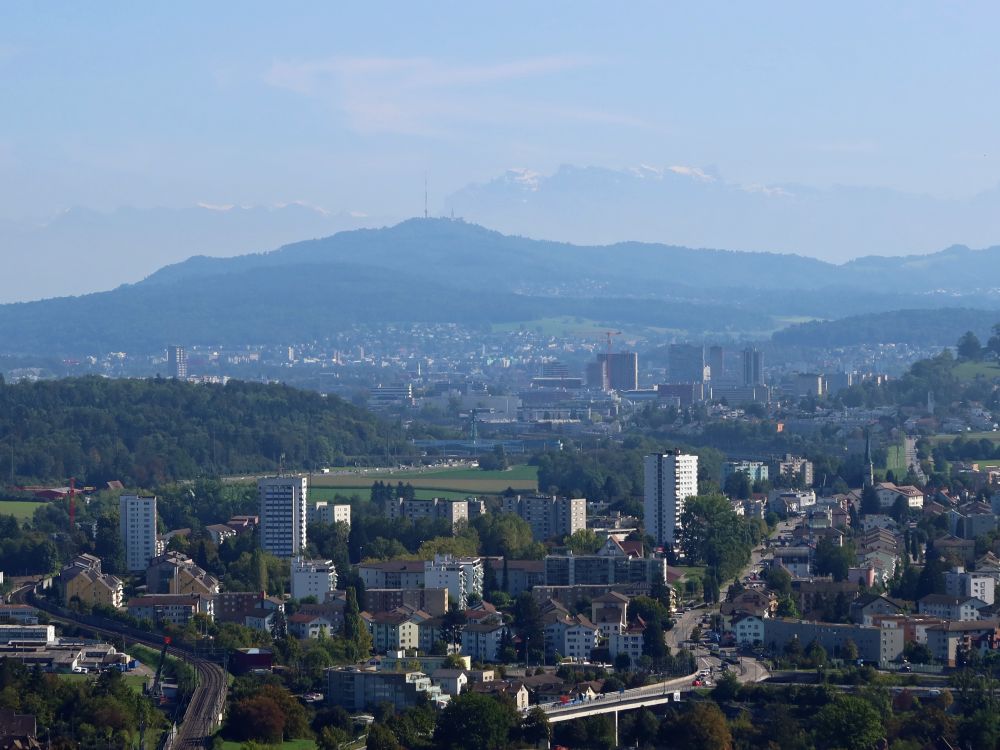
x=436, y=481
x=948, y=437
x=896, y=461
x=134, y=681
x=973, y=370
x=20, y=509
x=286, y=745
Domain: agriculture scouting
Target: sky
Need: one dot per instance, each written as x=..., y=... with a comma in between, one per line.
x=348, y=107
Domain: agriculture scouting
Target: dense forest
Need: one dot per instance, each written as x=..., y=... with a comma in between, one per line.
x=147, y=432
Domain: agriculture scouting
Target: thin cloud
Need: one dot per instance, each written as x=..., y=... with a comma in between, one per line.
x=423, y=96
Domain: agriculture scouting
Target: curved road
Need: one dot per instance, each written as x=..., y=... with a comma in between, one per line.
x=204, y=709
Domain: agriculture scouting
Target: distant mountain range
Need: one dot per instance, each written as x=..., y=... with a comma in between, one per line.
x=81, y=250
x=688, y=206
x=452, y=271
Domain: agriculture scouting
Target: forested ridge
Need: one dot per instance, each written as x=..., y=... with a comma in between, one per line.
x=147, y=432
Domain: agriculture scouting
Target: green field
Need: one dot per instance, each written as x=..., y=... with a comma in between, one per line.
x=973, y=370
x=134, y=681
x=947, y=437
x=21, y=509
x=286, y=745
x=896, y=461
x=436, y=482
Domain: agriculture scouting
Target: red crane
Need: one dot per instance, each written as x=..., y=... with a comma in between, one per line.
x=72, y=504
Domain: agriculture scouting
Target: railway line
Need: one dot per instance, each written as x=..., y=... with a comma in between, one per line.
x=203, y=714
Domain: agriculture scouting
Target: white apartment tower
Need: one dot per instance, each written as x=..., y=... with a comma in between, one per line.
x=283, y=515
x=137, y=525
x=670, y=478
x=313, y=578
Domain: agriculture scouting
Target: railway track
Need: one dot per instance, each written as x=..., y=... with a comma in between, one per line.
x=207, y=703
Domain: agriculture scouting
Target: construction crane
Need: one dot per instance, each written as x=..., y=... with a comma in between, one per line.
x=72, y=504
x=610, y=334
x=156, y=692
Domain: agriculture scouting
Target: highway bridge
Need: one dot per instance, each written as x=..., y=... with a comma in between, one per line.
x=647, y=696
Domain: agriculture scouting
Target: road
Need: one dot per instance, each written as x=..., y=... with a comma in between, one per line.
x=750, y=669
x=207, y=703
x=912, y=461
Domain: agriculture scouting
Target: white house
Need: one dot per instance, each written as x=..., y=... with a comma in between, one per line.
x=316, y=578
x=481, y=640
x=628, y=642
x=749, y=630
x=959, y=608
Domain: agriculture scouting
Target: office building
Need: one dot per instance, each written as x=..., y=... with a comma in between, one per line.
x=753, y=367
x=283, y=515
x=316, y=578
x=177, y=362
x=621, y=370
x=716, y=363
x=137, y=525
x=670, y=478
x=548, y=516
x=687, y=363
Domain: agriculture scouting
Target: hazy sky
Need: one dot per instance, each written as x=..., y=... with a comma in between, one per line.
x=110, y=104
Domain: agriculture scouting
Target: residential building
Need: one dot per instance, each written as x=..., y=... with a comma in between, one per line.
x=220, y=532
x=175, y=609
x=234, y=606
x=869, y=606
x=393, y=574
x=432, y=601
x=959, y=582
x=748, y=629
x=451, y=681
x=83, y=580
x=549, y=516
x=397, y=630
x=461, y=576
x=435, y=509
x=603, y=568
x=670, y=478
x=569, y=636
x=796, y=560
x=305, y=625
x=176, y=573
x=20, y=614
x=628, y=642
x=328, y=513
x=756, y=471
x=947, y=638
x=317, y=578
x=481, y=641
x=521, y=575
x=283, y=502
x=609, y=613
x=959, y=608
x=137, y=525
x=177, y=363
x=358, y=689
x=888, y=493
x=793, y=467
x=877, y=645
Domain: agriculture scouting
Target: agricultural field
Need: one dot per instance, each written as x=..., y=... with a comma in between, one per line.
x=463, y=481
x=22, y=510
